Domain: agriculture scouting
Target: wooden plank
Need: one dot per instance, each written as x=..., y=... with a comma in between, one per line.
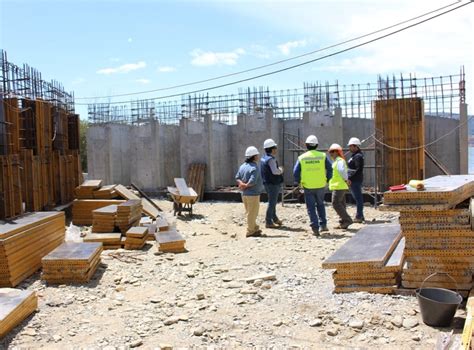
x=466, y=337
x=182, y=186
x=73, y=252
x=107, y=238
x=15, y=306
x=442, y=189
x=148, y=209
x=372, y=245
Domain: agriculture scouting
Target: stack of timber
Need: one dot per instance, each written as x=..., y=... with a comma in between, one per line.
x=151, y=225
x=196, y=178
x=25, y=241
x=128, y=214
x=371, y=261
x=87, y=188
x=170, y=241
x=71, y=262
x=136, y=237
x=40, y=162
x=436, y=224
x=148, y=208
x=108, y=240
x=103, y=219
x=15, y=306
x=82, y=209
x=106, y=192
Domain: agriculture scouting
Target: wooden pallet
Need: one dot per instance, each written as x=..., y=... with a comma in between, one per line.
x=196, y=178
x=15, y=306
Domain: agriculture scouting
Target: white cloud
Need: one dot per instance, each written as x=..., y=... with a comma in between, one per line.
x=286, y=47
x=166, y=69
x=129, y=40
x=143, y=81
x=124, y=68
x=209, y=58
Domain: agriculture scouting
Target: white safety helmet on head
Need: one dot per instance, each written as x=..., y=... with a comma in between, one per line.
x=312, y=140
x=269, y=143
x=251, y=151
x=335, y=147
x=354, y=141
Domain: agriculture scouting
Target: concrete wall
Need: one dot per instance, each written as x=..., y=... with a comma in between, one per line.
x=446, y=149
x=109, y=153
x=152, y=155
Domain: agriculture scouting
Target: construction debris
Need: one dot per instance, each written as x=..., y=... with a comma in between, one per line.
x=371, y=261
x=15, y=306
x=71, y=262
x=25, y=241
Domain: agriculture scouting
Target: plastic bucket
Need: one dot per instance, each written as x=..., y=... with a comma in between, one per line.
x=438, y=305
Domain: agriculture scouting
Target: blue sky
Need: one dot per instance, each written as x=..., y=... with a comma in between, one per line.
x=99, y=48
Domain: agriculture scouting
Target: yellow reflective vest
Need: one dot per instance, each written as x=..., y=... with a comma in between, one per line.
x=313, y=169
x=337, y=182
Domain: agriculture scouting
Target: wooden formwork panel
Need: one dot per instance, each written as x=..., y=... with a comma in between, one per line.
x=399, y=123
x=15, y=306
x=11, y=202
x=370, y=247
x=197, y=178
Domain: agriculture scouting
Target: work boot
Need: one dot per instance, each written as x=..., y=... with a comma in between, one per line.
x=324, y=229
x=278, y=222
x=346, y=225
x=315, y=231
x=358, y=221
x=272, y=225
x=257, y=233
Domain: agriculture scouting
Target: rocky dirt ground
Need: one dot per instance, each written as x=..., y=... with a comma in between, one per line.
x=209, y=297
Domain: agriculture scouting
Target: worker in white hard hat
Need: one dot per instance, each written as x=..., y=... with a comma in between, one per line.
x=272, y=176
x=249, y=180
x=312, y=171
x=339, y=185
x=356, y=176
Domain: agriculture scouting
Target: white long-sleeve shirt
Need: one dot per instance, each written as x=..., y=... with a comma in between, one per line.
x=342, y=168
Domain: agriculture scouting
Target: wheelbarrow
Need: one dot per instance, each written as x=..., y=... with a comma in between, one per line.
x=183, y=197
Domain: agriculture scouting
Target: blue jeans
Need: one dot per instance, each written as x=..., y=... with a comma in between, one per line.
x=356, y=190
x=272, y=192
x=314, y=199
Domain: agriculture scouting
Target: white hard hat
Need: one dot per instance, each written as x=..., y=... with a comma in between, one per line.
x=251, y=151
x=312, y=140
x=354, y=141
x=269, y=143
x=335, y=147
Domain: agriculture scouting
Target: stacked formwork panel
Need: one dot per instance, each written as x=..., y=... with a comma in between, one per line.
x=40, y=164
x=436, y=224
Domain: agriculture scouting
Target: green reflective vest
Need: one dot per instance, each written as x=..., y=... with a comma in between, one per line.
x=337, y=182
x=313, y=169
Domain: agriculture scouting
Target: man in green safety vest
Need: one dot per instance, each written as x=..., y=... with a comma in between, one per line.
x=312, y=171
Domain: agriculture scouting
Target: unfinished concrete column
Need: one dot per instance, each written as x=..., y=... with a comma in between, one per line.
x=210, y=171
x=463, y=139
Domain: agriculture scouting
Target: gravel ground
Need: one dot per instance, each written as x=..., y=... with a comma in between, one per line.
x=216, y=294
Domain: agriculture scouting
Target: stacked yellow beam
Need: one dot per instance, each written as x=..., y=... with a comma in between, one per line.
x=25, y=241
x=136, y=237
x=82, y=209
x=87, y=188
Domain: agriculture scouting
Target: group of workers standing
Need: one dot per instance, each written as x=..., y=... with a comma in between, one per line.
x=313, y=171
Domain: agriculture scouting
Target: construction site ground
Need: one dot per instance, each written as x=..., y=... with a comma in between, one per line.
x=210, y=296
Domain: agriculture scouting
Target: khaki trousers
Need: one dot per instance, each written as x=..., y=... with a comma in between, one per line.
x=251, y=204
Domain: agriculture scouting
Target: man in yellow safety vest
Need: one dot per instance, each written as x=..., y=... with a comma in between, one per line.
x=313, y=170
